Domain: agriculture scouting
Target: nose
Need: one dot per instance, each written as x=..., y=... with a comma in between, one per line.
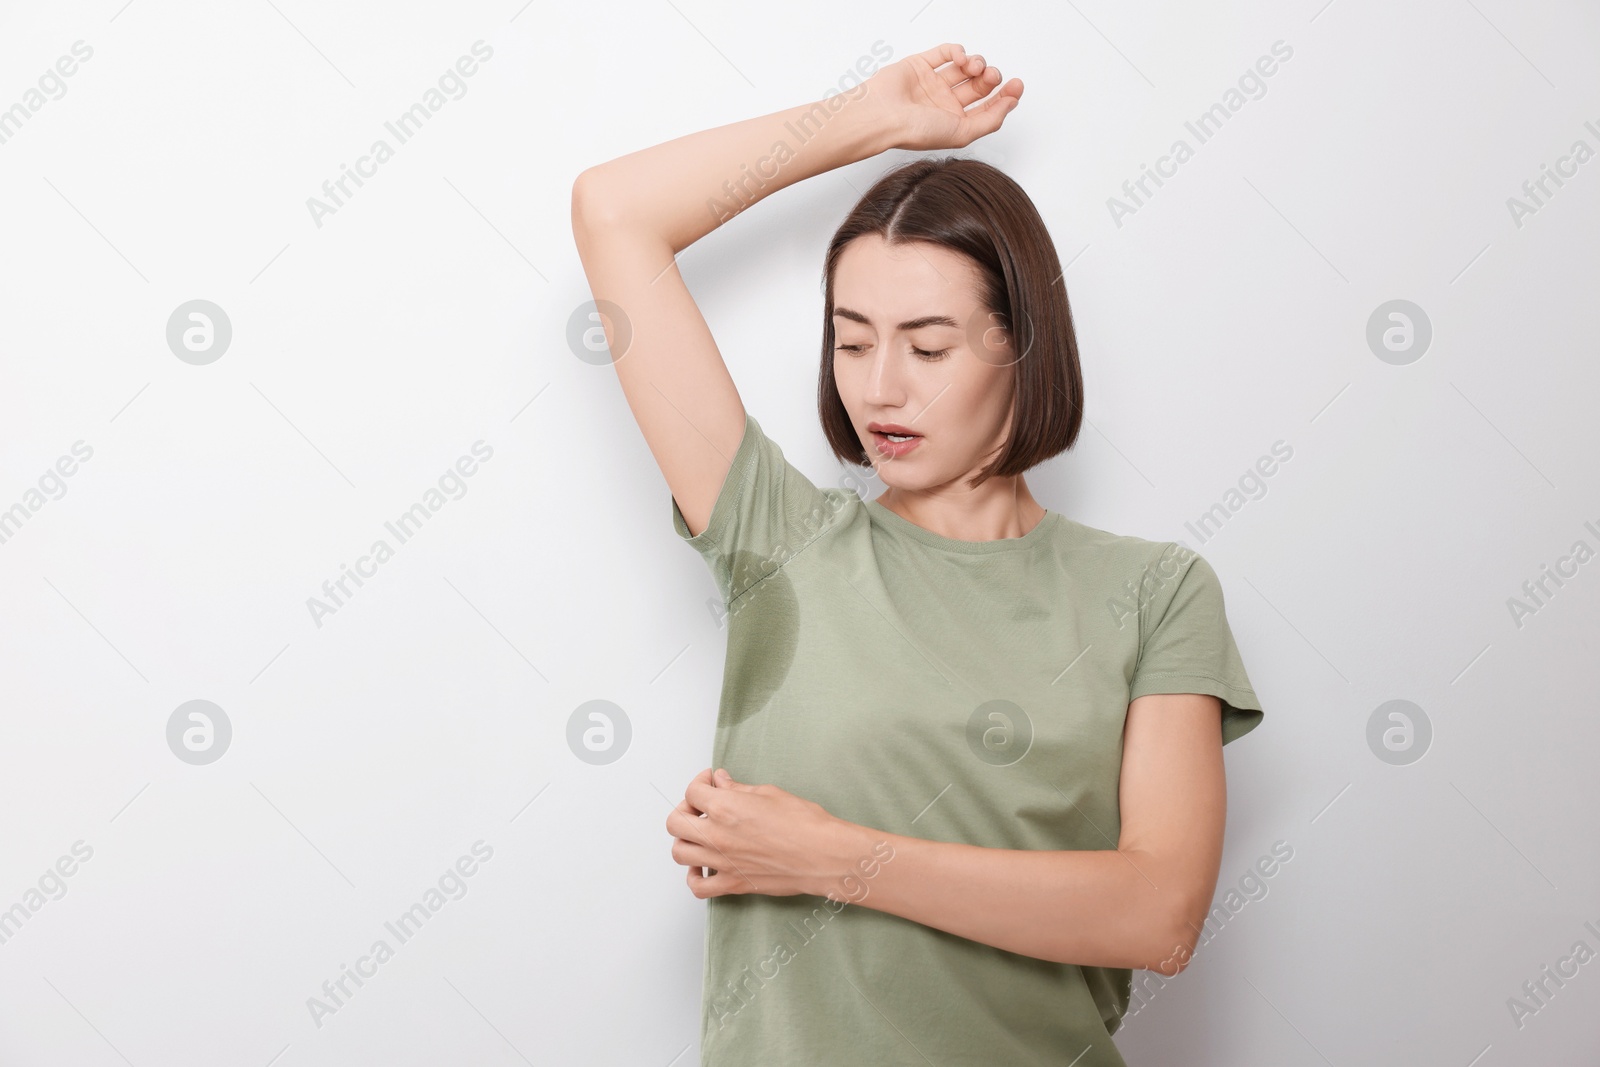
x=885, y=389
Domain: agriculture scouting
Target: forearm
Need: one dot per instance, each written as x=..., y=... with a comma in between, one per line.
x=686, y=187
x=1095, y=908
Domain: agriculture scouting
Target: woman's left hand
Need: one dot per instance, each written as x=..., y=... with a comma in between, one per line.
x=754, y=839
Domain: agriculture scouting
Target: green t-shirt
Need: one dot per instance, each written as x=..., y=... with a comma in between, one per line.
x=962, y=691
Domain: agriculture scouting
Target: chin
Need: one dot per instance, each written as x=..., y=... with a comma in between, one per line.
x=889, y=473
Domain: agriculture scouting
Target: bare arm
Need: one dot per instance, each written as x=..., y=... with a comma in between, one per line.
x=1140, y=904
x=632, y=215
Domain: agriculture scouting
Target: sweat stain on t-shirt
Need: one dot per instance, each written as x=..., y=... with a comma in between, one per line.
x=763, y=633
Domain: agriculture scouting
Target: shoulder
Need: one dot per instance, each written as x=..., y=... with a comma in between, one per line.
x=1122, y=553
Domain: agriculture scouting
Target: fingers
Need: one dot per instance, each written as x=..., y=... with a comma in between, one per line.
x=977, y=87
x=686, y=808
x=987, y=116
x=693, y=854
x=698, y=882
x=943, y=53
x=702, y=791
x=702, y=780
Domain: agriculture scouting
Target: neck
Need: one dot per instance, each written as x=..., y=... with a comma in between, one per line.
x=998, y=509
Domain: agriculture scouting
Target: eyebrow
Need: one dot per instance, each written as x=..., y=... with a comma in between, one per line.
x=909, y=324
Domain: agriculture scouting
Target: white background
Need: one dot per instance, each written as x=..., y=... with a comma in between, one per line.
x=431, y=310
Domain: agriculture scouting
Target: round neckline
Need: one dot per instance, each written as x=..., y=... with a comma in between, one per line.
x=903, y=525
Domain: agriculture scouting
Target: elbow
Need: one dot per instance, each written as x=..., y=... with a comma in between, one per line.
x=590, y=202
x=1177, y=934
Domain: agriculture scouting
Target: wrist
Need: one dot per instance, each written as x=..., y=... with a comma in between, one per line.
x=860, y=126
x=852, y=856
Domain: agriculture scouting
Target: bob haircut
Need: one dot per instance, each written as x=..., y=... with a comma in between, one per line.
x=972, y=208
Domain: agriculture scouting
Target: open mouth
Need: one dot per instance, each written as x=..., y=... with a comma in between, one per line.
x=894, y=444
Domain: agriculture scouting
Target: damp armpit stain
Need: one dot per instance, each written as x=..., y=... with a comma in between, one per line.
x=1028, y=611
x=763, y=634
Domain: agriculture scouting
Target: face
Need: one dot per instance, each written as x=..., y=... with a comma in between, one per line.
x=914, y=348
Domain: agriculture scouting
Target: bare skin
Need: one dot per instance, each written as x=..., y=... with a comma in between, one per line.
x=1139, y=904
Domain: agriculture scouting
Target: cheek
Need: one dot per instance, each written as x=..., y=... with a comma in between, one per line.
x=974, y=388
x=844, y=381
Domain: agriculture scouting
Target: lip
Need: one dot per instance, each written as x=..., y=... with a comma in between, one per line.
x=893, y=449
x=890, y=427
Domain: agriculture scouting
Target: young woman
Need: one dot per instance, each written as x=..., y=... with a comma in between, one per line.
x=995, y=731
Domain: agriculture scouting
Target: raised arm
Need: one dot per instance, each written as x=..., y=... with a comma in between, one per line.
x=632, y=215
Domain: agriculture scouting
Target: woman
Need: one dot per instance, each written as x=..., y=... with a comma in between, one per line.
x=993, y=730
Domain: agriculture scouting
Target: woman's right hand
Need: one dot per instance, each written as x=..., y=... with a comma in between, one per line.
x=924, y=98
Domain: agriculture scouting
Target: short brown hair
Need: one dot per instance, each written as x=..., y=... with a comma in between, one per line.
x=973, y=208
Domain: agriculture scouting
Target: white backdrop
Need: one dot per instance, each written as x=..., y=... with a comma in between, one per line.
x=174, y=509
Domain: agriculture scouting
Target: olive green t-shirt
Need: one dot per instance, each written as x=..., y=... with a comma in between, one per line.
x=961, y=691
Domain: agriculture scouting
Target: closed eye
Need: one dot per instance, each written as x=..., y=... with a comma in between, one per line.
x=924, y=354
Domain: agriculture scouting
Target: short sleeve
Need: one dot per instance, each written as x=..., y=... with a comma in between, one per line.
x=1185, y=643
x=765, y=513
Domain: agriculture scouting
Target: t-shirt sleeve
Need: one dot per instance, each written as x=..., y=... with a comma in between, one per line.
x=1185, y=644
x=765, y=513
